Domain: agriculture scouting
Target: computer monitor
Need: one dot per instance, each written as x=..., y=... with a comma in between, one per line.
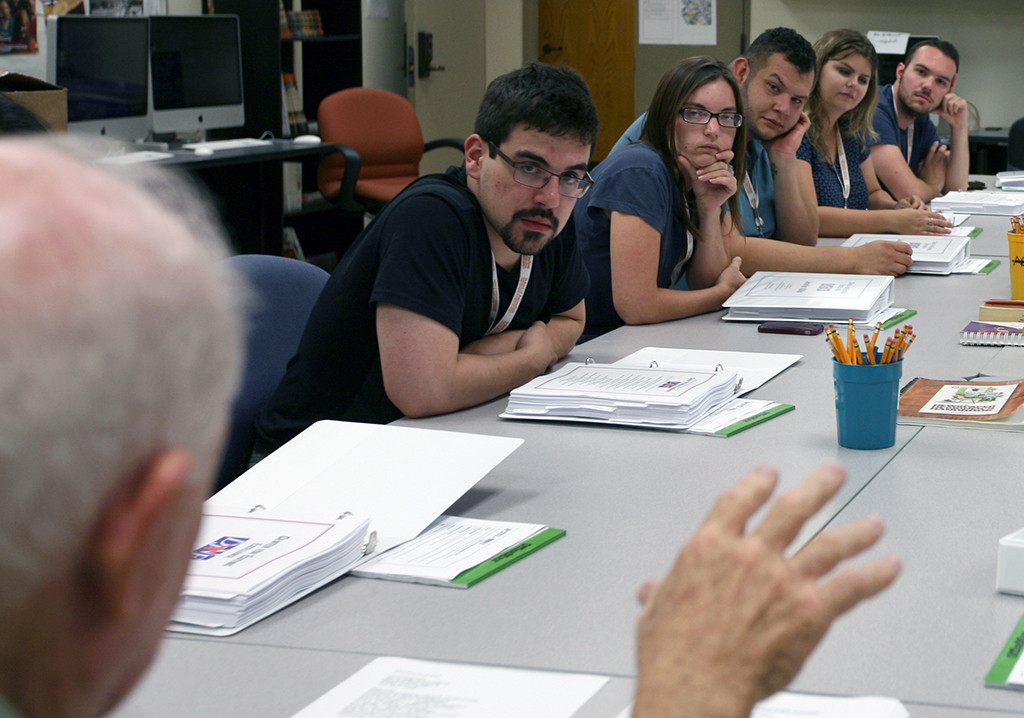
x=104, y=64
x=195, y=73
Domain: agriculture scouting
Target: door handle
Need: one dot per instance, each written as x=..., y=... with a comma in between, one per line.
x=550, y=48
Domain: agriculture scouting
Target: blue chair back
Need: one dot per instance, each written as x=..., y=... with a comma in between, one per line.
x=286, y=290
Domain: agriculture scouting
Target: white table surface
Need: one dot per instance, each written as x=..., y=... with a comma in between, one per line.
x=629, y=499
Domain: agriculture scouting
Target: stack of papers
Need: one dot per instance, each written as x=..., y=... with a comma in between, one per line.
x=459, y=552
x=304, y=514
x=247, y=566
x=811, y=297
x=674, y=398
x=932, y=255
x=1010, y=180
x=980, y=202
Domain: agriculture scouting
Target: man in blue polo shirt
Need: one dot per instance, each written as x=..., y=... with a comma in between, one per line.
x=908, y=156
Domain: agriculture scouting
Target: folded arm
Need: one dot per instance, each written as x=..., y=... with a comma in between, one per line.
x=425, y=373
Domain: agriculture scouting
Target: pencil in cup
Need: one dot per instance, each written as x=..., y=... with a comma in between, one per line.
x=894, y=348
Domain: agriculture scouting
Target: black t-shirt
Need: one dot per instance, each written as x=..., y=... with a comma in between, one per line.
x=427, y=251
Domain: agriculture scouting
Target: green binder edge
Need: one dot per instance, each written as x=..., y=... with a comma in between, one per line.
x=758, y=418
x=893, y=321
x=989, y=267
x=1008, y=657
x=508, y=557
x=975, y=232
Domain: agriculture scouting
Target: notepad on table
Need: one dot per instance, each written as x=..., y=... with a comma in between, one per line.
x=811, y=297
x=992, y=202
x=1006, y=334
x=974, y=404
x=459, y=552
x=931, y=254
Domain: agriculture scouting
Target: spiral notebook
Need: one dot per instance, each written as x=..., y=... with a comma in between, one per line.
x=1004, y=334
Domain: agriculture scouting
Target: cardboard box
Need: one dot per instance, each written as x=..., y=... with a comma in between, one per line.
x=48, y=102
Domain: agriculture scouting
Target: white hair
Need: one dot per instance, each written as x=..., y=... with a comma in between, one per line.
x=120, y=337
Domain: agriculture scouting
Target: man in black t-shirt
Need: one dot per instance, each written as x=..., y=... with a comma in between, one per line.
x=466, y=285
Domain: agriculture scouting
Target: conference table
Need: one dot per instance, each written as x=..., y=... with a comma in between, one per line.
x=630, y=498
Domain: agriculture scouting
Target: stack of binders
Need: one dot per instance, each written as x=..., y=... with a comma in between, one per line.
x=675, y=398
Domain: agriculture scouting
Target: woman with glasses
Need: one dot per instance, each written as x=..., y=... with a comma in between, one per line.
x=655, y=214
x=835, y=151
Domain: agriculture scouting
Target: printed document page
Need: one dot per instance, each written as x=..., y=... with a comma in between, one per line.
x=447, y=548
x=790, y=705
x=389, y=687
x=753, y=368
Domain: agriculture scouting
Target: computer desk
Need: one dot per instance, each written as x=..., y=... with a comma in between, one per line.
x=247, y=188
x=629, y=498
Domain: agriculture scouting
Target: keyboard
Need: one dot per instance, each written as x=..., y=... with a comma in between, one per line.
x=131, y=158
x=220, y=145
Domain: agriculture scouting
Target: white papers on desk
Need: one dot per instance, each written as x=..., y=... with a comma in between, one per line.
x=931, y=254
x=790, y=705
x=753, y=368
x=1010, y=180
x=957, y=219
x=810, y=297
x=992, y=202
x=448, y=547
x=247, y=566
x=430, y=689
x=639, y=396
x=400, y=479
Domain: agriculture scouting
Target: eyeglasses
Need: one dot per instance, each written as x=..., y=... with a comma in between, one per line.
x=531, y=174
x=697, y=116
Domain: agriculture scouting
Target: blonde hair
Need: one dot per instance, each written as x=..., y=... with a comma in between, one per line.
x=858, y=122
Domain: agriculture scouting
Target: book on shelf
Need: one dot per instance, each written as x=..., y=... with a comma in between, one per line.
x=931, y=254
x=297, y=123
x=975, y=404
x=1002, y=310
x=1006, y=334
x=810, y=297
x=991, y=202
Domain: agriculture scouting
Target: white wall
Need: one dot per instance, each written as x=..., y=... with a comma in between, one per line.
x=985, y=32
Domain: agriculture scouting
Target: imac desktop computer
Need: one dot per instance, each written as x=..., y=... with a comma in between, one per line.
x=195, y=73
x=104, y=64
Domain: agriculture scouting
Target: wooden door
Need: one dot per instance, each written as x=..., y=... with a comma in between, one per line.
x=596, y=38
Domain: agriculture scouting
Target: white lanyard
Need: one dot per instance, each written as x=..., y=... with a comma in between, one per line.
x=748, y=187
x=525, y=267
x=910, y=130
x=844, y=178
x=677, y=271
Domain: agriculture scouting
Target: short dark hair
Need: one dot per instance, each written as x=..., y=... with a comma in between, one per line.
x=943, y=46
x=553, y=99
x=16, y=119
x=789, y=43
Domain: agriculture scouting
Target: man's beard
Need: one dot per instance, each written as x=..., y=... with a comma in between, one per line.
x=530, y=242
x=906, y=108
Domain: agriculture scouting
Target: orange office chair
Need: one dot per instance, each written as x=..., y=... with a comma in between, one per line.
x=380, y=147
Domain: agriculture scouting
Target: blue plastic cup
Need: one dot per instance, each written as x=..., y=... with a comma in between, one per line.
x=867, y=398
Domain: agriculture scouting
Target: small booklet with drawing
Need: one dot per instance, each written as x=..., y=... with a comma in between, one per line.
x=972, y=404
